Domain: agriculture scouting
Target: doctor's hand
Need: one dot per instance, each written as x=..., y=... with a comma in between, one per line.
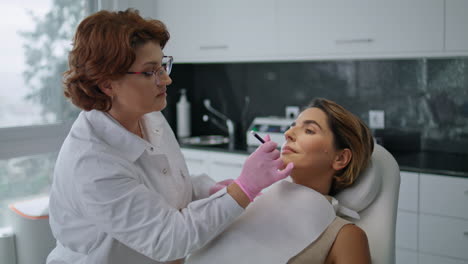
x=262, y=169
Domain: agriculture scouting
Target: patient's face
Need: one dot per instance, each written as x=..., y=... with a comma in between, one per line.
x=309, y=144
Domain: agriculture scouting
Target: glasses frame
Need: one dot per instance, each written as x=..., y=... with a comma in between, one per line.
x=166, y=68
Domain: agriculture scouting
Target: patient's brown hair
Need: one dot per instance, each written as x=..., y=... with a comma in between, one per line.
x=351, y=132
x=103, y=50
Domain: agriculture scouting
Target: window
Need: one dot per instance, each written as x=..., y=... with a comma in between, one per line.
x=34, y=114
x=23, y=178
x=39, y=35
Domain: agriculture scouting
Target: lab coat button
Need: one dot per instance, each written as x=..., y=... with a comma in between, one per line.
x=164, y=171
x=151, y=148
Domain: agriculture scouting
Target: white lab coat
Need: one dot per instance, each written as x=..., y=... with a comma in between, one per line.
x=117, y=198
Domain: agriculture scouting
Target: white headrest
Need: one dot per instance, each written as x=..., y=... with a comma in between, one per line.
x=366, y=188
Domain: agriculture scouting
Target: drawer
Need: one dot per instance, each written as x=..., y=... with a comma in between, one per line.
x=443, y=195
x=407, y=230
x=443, y=236
x=408, y=199
x=403, y=256
x=430, y=259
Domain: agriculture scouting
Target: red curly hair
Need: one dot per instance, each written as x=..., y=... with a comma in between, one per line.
x=104, y=49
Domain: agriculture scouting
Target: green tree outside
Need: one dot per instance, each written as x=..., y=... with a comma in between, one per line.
x=46, y=51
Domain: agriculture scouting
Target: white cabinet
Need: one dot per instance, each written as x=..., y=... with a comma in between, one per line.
x=443, y=216
x=432, y=220
x=226, y=166
x=407, y=219
x=407, y=230
x=442, y=195
x=218, y=165
x=456, y=24
x=409, y=190
x=443, y=236
x=359, y=28
x=403, y=256
x=213, y=30
x=292, y=30
x=284, y=30
x=431, y=259
x=197, y=161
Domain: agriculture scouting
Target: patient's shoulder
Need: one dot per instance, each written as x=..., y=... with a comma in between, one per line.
x=350, y=246
x=350, y=233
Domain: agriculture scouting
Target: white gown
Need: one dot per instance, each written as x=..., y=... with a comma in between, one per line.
x=275, y=227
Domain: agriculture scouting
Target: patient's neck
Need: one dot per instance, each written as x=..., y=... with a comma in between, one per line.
x=320, y=182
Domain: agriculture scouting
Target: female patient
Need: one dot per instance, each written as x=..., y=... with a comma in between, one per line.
x=329, y=147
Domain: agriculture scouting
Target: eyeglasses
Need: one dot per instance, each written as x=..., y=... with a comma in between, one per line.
x=166, y=67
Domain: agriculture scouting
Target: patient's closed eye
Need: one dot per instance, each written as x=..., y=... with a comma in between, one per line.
x=309, y=131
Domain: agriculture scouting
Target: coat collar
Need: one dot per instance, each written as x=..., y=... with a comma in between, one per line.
x=108, y=130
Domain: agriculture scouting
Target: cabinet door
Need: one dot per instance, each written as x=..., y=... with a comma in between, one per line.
x=409, y=186
x=431, y=259
x=226, y=166
x=360, y=27
x=197, y=161
x=212, y=30
x=403, y=256
x=443, y=195
x=456, y=24
x=443, y=236
x=407, y=230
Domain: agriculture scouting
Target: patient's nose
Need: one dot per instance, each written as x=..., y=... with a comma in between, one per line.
x=289, y=135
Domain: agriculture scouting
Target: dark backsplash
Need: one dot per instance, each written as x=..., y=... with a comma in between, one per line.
x=425, y=101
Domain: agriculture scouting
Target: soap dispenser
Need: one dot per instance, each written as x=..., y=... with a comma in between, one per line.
x=183, y=116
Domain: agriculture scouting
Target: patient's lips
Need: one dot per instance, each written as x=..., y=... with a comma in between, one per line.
x=287, y=150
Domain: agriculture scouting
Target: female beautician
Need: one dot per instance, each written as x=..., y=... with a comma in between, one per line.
x=121, y=191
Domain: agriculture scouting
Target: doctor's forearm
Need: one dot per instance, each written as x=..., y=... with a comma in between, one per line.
x=238, y=195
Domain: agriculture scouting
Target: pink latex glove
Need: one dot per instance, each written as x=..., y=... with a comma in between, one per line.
x=262, y=169
x=220, y=185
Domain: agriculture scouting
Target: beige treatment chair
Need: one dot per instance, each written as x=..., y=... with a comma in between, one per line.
x=375, y=197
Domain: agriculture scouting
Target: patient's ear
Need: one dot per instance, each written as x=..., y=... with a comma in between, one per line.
x=106, y=88
x=342, y=158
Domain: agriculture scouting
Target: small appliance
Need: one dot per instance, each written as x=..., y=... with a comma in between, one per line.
x=272, y=125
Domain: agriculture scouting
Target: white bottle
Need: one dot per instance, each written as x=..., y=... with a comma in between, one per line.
x=183, y=116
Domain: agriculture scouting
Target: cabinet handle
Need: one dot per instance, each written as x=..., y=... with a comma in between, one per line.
x=465, y=233
x=352, y=41
x=214, y=47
